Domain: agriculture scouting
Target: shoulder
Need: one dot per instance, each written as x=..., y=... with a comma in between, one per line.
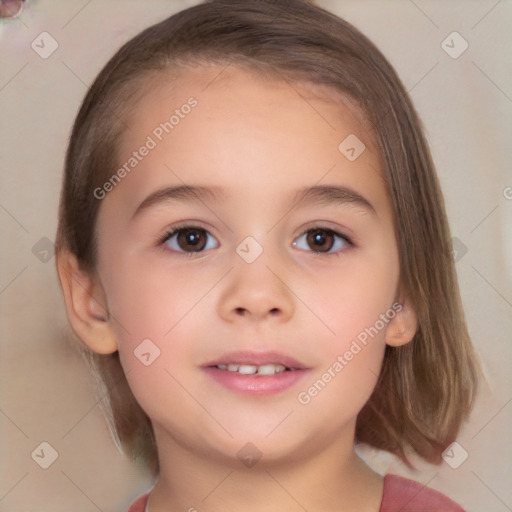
x=139, y=505
x=402, y=494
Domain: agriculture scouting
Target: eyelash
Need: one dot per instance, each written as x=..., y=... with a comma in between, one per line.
x=181, y=227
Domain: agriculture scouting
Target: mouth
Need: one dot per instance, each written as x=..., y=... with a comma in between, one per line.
x=256, y=373
x=250, y=369
x=261, y=363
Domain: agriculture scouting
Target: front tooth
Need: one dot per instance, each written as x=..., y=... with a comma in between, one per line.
x=247, y=369
x=233, y=367
x=222, y=367
x=280, y=368
x=267, y=369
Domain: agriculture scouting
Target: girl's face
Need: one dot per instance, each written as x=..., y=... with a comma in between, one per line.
x=251, y=231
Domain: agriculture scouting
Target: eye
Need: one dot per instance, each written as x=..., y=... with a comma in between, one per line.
x=322, y=240
x=189, y=239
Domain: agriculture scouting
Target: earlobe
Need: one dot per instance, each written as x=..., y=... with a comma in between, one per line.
x=85, y=305
x=403, y=326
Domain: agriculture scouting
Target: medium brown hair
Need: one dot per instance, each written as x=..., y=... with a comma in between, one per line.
x=426, y=388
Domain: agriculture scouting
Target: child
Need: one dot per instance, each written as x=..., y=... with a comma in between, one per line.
x=254, y=250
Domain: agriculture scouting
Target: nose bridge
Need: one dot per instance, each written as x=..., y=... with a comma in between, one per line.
x=256, y=287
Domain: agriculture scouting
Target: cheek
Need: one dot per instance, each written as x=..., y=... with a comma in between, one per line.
x=158, y=366
x=149, y=298
x=357, y=306
x=357, y=312
x=357, y=300
x=154, y=314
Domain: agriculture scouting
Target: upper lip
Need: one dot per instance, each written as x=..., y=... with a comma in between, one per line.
x=257, y=359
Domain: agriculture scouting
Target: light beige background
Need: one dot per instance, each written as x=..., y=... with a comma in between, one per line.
x=466, y=105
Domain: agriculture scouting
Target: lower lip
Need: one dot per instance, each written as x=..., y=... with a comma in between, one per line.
x=256, y=384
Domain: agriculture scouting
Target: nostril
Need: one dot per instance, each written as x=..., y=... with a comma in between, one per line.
x=242, y=311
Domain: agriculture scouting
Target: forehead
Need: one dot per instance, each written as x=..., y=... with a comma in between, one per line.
x=237, y=128
x=226, y=89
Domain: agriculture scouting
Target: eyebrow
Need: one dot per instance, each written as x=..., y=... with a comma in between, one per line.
x=332, y=195
x=318, y=194
x=191, y=193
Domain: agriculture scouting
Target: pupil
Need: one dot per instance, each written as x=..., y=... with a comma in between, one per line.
x=320, y=239
x=190, y=237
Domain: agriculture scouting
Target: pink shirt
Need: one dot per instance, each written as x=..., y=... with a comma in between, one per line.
x=399, y=495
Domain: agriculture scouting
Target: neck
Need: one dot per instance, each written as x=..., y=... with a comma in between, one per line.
x=334, y=479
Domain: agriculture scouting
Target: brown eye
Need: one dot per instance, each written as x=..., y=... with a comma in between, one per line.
x=189, y=240
x=320, y=240
x=323, y=241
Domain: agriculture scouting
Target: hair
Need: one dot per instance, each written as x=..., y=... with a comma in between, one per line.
x=427, y=387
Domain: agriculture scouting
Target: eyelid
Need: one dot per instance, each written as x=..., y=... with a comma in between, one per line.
x=172, y=230
x=186, y=224
x=321, y=227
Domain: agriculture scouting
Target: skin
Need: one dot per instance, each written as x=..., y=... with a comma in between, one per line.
x=260, y=140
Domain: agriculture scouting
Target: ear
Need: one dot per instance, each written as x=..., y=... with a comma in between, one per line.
x=85, y=305
x=403, y=326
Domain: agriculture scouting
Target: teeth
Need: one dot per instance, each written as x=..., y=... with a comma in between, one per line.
x=270, y=369
x=249, y=369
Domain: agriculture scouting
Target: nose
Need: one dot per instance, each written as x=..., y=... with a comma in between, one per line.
x=256, y=291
